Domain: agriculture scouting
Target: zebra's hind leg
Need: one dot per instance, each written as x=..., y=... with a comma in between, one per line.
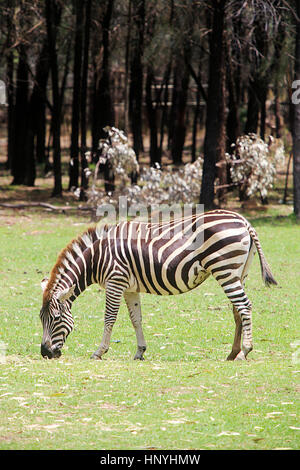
x=236, y=347
x=242, y=309
x=114, y=292
x=133, y=303
x=243, y=306
x=247, y=343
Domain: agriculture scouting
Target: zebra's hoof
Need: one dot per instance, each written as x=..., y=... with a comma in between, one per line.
x=138, y=357
x=232, y=356
x=139, y=354
x=96, y=357
x=240, y=356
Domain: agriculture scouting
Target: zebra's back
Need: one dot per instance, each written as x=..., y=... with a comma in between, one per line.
x=175, y=257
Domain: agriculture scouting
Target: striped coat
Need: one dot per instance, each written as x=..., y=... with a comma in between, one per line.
x=170, y=258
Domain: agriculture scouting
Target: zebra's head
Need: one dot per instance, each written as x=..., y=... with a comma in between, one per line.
x=56, y=319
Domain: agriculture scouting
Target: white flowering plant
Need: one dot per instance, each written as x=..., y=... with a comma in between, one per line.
x=253, y=163
x=118, y=152
x=158, y=186
x=154, y=186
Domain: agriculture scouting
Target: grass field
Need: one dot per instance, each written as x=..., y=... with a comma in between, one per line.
x=184, y=395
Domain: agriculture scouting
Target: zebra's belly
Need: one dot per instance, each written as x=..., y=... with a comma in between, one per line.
x=170, y=282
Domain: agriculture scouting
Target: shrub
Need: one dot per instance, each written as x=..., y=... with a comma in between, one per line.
x=253, y=163
x=154, y=186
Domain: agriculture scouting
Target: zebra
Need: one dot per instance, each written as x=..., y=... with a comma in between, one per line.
x=162, y=258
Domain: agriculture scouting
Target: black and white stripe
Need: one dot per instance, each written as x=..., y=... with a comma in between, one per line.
x=162, y=259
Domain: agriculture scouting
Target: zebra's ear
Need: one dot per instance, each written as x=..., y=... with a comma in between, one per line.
x=66, y=293
x=44, y=283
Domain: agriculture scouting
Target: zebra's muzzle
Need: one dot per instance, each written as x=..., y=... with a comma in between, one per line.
x=46, y=352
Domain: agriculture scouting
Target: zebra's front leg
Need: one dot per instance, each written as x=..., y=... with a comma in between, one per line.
x=133, y=303
x=113, y=297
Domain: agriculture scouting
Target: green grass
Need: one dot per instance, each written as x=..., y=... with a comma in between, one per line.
x=184, y=395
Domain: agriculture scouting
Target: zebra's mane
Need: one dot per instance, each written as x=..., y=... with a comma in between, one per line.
x=76, y=245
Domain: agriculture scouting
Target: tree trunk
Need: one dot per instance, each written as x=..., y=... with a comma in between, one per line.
x=214, y=136
x=103, y=114
x=277, y=66
x=41, y=133
x=253, y=108
x=179, y=111
x=221, y=142
x=84, y=164
x=136, y=75
x=196, y=119
x=278, y=119
x=126, y=78
x=233, y=119
x=35, y=148
x=53, y=15
x=74, y=159
x=30, y=173
x=18, y=163
x=152, y=118
x=171, y=117
x=10, y=87
x=296, y=123
x=263, y=111
x=10, y=110
x=39, y=95
x=234, y=85
x=259, y=82
x=164, y=114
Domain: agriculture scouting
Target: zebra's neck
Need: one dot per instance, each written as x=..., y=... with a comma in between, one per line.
x=74, y=267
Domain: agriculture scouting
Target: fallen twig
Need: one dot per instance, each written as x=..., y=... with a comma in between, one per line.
x=45, y=205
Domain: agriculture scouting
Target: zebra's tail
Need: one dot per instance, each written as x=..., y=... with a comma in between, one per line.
x=266, y=273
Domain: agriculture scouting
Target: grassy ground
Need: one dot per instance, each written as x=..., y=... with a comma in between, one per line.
x=184, y=395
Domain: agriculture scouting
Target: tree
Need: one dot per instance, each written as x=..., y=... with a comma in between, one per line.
x=183, y=24
x=259, y=79
x=136, y=74
x=180, y=93
x=84, y=86
x=74, y=157
x=296, y=119
x=214, y=143
x=10, y=84
x=18, y=162
x=36, y=134
x=77, y=66
x=53, y=11
x=103, y=113
x=152, y=116
x=144, y=57
x=27, y=96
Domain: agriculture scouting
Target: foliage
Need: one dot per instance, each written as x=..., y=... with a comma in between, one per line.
x=117, y=152
x=155, y=185
x=146, y=66
x=253, y=166
x=158, y=186
x=253, y=163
